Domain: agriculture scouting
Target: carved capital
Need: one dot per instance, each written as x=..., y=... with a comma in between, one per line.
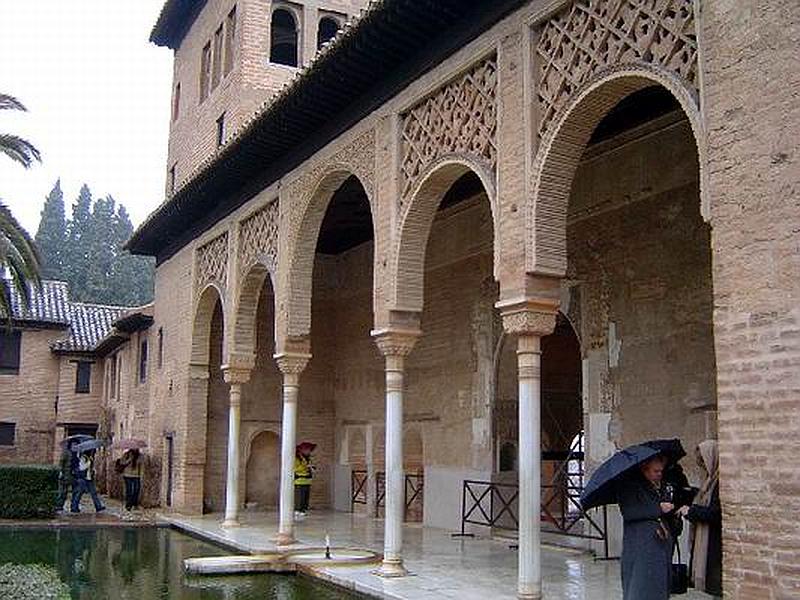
x=292, y=363
x=198, y=371
x=240, y=361
x=529, y=316
x=394, y=342
x=234, y=375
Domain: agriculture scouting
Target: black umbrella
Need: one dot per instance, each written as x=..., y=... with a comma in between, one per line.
x=602, y=486
x=671, y=448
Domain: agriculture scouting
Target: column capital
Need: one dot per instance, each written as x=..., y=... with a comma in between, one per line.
x=393, y=341
x=528, y=316
x=198, y=371
x=235, y=374
x=292, y=363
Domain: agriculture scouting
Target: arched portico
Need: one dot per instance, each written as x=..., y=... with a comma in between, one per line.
x=563, y=145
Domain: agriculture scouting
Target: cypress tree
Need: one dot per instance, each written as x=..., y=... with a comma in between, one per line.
x=51, y=235
x=78, y=238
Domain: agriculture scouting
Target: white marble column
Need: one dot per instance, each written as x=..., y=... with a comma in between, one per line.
x=235, y=378
x=395, y=346
x=529, y=321
x=291, y=365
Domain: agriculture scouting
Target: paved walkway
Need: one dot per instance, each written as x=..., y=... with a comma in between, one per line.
x=442, y=567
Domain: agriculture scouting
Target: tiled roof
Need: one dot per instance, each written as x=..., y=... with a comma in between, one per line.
x=49, y=305
x=89, y=323
x=86, y=324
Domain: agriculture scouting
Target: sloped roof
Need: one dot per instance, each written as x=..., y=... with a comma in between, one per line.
x=174, y=21
x=369, y=61
x=49, y=305
x=89, y=323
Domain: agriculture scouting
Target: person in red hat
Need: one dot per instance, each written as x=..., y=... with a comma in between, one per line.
x=303, y=473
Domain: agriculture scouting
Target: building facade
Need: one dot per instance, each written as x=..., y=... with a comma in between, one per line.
x=463, y=236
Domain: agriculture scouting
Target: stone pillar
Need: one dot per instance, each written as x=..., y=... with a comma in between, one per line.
x=394, y=344
x=235, y=376
x=291, y=365
x=529, y=321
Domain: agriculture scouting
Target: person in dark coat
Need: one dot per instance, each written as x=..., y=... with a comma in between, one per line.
x=646, y=541
x=705, y=516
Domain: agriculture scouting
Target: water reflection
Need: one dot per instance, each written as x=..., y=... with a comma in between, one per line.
x=142, y=564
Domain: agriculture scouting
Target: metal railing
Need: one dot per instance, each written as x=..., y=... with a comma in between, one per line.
x=493, y=504
x=414, y=494
x=358, y=487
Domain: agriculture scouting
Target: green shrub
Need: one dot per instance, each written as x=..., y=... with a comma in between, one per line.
x=28, y=491
x=31, y=582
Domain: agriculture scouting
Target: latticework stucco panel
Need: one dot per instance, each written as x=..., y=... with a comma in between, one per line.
x=258, y=238
x=458, y=118
x=591, y=35
x=212, y=263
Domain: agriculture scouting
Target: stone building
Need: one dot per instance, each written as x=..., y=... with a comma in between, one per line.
x=51, y=373
x=464, y=235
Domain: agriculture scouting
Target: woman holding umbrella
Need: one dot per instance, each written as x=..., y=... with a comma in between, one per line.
x=303, y=472
x=632, y=478
x=85, y=475
x=130, y=466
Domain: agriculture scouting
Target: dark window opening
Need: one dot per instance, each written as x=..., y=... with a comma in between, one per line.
x=176, y=103
x=118, y=380
x=112, y=378
x=143, y=361
x=10, y=342
x=283, y=39
x=160, y=347
x=216, y=71
x=220, y=130
x=172, y=178
x=328, y=27
x=230, y=38
x=634, y=110
x=7, y=431
x=83, y=377
x=205, y=71
x=80, y=429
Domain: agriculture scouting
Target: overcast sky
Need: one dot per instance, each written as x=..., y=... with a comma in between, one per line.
x=98, y=96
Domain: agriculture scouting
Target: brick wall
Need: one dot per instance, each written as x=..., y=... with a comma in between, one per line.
x=753, y=116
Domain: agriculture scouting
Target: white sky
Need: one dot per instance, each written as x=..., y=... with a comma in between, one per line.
x=98, y=99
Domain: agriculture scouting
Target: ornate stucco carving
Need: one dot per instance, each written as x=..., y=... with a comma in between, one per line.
x=258, y=237
x=212, y=263
x=357, y=157
x=395, y=342
x=591, y=35
x=460, y=117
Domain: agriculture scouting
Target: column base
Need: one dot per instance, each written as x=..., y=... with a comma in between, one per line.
x=231, y=523
x=391, y=568
x=529, y=595
x=284, y=539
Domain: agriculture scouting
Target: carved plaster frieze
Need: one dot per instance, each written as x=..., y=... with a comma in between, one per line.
x=590, y=36
x=528, y=317
x=212, y=263
x=258, y=238
x=459, y=117
x=292, y=363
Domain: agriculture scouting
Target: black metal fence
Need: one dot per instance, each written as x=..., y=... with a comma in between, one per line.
x=358, y=488
x=414, y=492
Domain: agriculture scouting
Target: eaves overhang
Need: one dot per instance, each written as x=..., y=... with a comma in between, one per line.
x=391, y=45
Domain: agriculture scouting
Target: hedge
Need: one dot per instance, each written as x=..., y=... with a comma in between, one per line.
x=28, y=491
x=32, y=582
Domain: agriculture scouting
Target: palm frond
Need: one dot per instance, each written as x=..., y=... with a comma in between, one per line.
x=20, y=258
x=19, y=149
x=8, y=102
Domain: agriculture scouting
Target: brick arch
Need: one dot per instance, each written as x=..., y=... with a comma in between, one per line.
x=417, y=220
x=244, y=326
x=561, y=149
x=201, y=328
x=302, y=252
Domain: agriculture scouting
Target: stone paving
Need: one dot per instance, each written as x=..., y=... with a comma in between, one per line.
x=442, y=567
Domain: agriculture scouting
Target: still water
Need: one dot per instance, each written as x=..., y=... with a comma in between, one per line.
x=143, y=564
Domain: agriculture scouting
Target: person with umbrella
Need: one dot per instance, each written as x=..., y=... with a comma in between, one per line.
x=130, y=466
x=85, y=476
x=632, y=478
x=67, y=465
x=303, y=472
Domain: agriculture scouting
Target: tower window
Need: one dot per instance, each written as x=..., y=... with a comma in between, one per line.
x=205, y=71
x=230, y=38
x=328, y=27
x=216, y=72
x=176, y=103
x=283, y=38
x=220, y=130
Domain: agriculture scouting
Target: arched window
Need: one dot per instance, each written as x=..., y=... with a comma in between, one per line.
x=508, y=457
x=328, y=27
x=283, y=38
